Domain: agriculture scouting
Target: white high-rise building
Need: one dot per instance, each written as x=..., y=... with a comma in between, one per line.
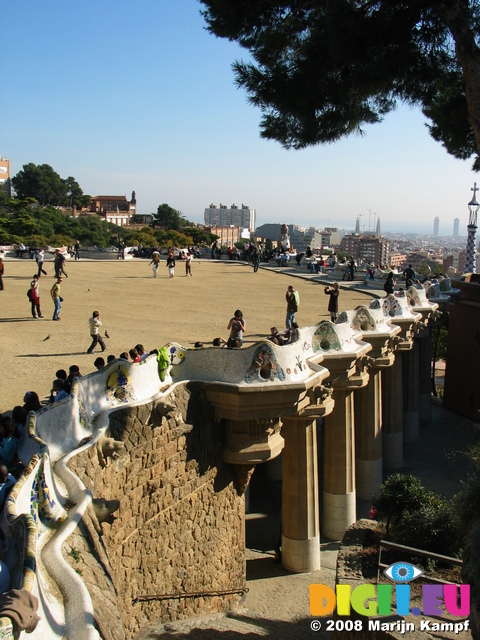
x=222, y=216
x=456, y=227
x=436, y=226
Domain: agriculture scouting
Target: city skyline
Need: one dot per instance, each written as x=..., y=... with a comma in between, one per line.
x=148, y=103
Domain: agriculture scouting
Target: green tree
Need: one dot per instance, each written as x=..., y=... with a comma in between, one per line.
x=42, y=183
x=322, y=70
x=75, y=195
x=400, y=493
x=424, y=269
x=169, y=218
x=199, y=236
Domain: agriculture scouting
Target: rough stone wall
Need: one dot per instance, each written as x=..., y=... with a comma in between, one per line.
x=180, y=526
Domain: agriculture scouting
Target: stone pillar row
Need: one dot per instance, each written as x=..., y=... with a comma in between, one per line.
x=364, y=430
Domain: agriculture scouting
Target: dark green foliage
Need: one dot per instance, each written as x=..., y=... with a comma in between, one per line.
x=439, y=337
x=322, y=70
x=428, y=527
x=416, y=516
x=343, y=255
x=34, y=225
x=467, y=502
x=399, y=493
x=199, y=236
x=43, y=184
x=169, y=218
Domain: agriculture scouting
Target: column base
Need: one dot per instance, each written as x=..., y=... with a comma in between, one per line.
x=301, y=556
x=368, y=478
x=392, y=445
x=425, y=406
x=339, y=512
x=411, y=426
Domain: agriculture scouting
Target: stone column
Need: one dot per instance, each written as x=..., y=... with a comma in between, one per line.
x=392, y=414
x=339, y=509
x=300, y=504
x=424, y=342
x=368, y=436
x=411, y=413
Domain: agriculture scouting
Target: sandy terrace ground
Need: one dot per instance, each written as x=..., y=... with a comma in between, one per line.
x=135, y=307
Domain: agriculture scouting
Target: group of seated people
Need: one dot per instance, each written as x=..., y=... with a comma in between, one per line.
x=282, y=338
x=12, y=425
x=137, y=354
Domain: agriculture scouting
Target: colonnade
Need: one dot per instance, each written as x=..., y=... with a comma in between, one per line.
x=372, y=391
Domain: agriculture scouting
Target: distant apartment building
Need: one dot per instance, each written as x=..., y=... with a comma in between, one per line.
x=447, y=263
x=331, y=237
x=436, y=226
x=456, y=227
x=417, y=259
x=301, y=238
x=270, y=231
x=459, y=260
x=5, y=177
x=227, y=236
x=115, y=209
x=368, y=248
x=397, y=260
x=222, y=216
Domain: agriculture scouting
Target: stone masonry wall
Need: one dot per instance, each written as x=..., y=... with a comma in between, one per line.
x=180, y=525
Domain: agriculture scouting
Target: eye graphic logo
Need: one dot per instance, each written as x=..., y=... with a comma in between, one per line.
x=403, y=572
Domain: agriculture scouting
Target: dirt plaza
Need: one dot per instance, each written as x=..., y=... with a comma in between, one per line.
x=137, y=308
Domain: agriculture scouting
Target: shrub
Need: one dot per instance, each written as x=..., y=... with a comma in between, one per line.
x=416, y=516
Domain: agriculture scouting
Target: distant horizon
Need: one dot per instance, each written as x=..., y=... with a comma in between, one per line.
x=156, y=111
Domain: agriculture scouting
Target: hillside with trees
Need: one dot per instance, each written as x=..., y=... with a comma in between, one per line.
x=25, y=220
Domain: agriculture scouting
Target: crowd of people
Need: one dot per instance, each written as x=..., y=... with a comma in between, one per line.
x=14, y=422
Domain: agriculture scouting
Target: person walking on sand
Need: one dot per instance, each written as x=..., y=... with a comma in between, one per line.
x=95, y=324
x=2, y=271
x=293, y=302
x=40, y=257
x=155, y=261
x=171, y=264
x=57, y=299
x=59, y=264
x=34, y=297
x=188, y=264
x=333, y=302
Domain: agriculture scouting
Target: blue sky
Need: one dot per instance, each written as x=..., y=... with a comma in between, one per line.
x=138, y=96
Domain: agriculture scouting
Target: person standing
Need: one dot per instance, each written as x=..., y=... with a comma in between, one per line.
x=214, y=250
x=95, y=324
x=34, y=295
x=40, y=257
x=293, y=302
x=77, y=250
x=188, y=264
x=333, y=302
x=57, y=300
x=2, y=271
x=171, y=264
x=409, y=275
